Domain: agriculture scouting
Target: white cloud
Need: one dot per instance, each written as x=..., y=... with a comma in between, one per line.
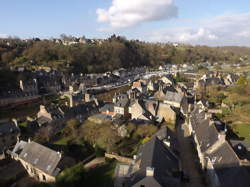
x=3, y=35
x=129, y=13
x=221, y=30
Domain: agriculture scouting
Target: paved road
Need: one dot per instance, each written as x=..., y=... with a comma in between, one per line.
x=189, y=157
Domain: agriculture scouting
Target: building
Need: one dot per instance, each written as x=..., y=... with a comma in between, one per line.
x=168, y=79
x=39, y=161
x=9, y=135
x=154, y=165
x=121, y=104
x=108, y=109
x=49, y=113
x=218, y=159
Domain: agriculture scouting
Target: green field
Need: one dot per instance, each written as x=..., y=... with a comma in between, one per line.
x=242, y=130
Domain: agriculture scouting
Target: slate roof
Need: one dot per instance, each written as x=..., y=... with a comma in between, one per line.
x=227, y=167
x=207, y=135
x=40, y=157
x=173, y=96
x=43, y=120
x=122, y=100
x=107, y=107
x=55, y=111
x=8, y=128
x=156, y=155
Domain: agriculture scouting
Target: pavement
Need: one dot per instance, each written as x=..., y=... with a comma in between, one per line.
x=189, y=157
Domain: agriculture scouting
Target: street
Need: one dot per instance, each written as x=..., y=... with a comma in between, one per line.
x=188, y=156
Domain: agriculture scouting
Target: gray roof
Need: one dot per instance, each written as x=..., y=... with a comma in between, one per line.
x=207, y=135
x=43, y=120
x=8, y=128
x=41, y=157
x=122, y=100
x=107, y=107
x=55, y=111
x=227, y=167
x=155, y=154
x=173, y=96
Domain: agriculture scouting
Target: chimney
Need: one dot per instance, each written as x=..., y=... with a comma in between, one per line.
x=15, y=121
x=149, y=172
x=21, y=85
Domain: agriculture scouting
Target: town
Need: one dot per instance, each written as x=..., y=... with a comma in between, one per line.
x=125, y=93
x=144, y=126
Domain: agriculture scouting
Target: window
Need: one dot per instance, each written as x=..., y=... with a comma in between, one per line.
x=142, y=186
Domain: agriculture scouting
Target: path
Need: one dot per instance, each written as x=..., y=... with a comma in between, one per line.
x=189, y=157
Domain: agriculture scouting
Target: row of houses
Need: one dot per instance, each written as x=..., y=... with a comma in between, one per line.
x=149, y=101
x=218, y=159
x=217, y=78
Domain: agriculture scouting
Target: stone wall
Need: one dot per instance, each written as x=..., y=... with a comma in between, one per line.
x=119, y=158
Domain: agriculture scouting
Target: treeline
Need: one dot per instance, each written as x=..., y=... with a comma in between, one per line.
x=114, y=52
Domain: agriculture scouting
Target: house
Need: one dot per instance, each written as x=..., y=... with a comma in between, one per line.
x=49, y=84
x=108, y=109
x=121, y=104
x=140, y=85
x=39, y=161
x=9, y=135
x=176, y=100
x=155, y=165
x=49, y=113
x=221, y=164
x=168, y=79
x=138, y=111
x=224, y=168
x=152, y=86
x=29, y=86
x=166, y=112
x=231, y=79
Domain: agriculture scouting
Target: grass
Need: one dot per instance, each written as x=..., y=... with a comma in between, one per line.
x=62, y=141
x=242, y=130
x=23, y=124
x=101, y=176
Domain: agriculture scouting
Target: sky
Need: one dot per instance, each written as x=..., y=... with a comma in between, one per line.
x=197, y=22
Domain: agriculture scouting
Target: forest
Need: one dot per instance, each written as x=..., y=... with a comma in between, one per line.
x=112, y=53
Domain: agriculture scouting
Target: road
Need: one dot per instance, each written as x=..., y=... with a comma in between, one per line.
x=189, y=157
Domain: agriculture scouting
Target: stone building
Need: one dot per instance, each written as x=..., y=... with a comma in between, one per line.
x=39, y=161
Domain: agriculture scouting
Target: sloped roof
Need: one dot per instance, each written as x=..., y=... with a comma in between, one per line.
x=173, y=96
x=227, y=167
x=107, y=107
x=40, y=157
x=156, y=155
x=122, y=100
x=8, y=128
x=207, y=135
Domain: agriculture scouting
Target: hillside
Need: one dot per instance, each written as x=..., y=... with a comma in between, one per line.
x=109, y=54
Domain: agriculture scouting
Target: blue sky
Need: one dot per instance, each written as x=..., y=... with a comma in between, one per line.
x=211, y=22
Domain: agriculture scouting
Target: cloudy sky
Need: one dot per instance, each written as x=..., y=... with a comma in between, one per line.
x=209, y=22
